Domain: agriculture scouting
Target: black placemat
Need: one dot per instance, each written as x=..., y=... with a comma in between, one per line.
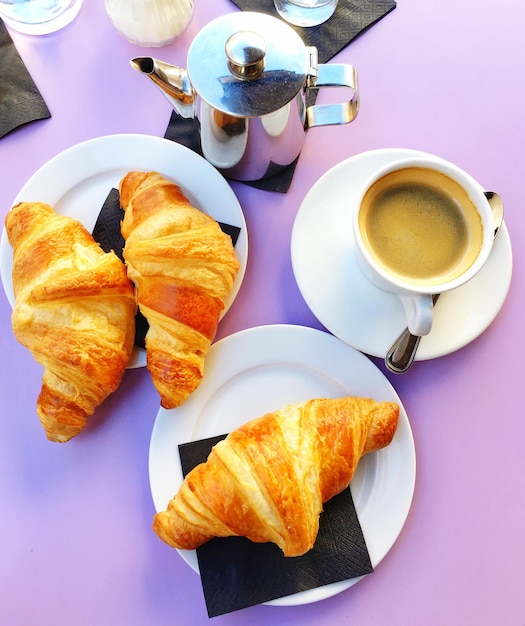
x=237, y=573
x=20, y=100
x=351, y=18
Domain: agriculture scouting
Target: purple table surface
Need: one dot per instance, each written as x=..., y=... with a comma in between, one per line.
x=75, y=527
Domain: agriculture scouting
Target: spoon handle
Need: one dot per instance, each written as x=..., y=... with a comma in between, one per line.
x=401, y=355
x=402, y=352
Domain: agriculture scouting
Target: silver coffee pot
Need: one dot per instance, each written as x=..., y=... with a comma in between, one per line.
x=247, y=82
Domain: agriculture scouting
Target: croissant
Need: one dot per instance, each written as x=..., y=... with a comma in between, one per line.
x=268, y=479
x=74, y=310
x=183, y=267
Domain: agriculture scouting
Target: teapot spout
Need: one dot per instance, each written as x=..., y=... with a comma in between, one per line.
x=172, y=81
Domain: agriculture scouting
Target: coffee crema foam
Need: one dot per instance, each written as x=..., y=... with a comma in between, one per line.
x=421, y=226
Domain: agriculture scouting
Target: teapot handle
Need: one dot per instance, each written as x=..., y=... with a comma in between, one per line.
x=334, y=75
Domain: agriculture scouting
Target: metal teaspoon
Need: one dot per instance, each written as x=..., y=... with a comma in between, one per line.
x=401, y=354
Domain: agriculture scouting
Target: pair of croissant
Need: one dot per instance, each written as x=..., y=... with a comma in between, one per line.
x=75, y=305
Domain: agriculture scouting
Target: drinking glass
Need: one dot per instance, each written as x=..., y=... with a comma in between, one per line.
x=305, y=12
x=38, y=17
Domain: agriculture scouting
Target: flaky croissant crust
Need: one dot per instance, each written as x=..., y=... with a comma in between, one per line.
x=183, y=267
x=269, y=478
x=74, y=310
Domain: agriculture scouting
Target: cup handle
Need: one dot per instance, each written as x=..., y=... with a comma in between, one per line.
x=419, y=313
x=334, y=75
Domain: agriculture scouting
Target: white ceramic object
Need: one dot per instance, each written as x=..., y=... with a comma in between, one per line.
x=150, y=22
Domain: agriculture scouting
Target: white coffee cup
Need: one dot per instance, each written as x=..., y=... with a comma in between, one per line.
x=422, y=226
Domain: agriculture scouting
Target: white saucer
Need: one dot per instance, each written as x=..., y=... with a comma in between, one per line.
x=77, y=181
x=262, y=369
x=354, y=310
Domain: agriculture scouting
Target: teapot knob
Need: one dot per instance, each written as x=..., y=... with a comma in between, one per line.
x=246, y=51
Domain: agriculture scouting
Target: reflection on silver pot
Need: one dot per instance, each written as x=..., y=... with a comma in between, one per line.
x=248, y=80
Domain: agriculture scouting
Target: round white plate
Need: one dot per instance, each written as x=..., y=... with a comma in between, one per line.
x=348, y=305
x=77, y=181
x=263, y=369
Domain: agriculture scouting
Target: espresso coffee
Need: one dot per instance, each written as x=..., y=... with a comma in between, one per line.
x=420, y=226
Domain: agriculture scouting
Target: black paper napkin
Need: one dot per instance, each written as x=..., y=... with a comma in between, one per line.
x=237, y=573
x=20, y=100
x=351, y=18
x=106, y=232
x=187, y=133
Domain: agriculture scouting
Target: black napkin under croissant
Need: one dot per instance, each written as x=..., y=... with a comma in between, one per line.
x=237, y=573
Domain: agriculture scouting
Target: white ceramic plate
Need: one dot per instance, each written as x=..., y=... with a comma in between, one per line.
x=263, y=369
x=77, y=181
x=350, y=307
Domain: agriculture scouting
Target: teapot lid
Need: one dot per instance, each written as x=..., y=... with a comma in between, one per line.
x=247, y=64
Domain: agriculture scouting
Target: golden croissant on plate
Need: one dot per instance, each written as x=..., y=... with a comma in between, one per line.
x=183, y=267
x=74, y=310
x=268, y=479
